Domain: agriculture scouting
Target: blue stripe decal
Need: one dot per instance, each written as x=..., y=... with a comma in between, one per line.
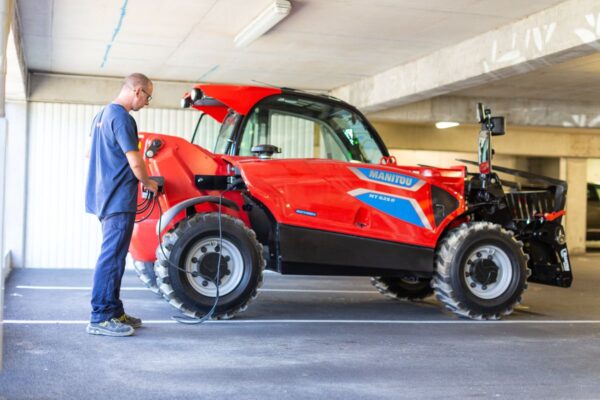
x=407, y=210
x=388, y=178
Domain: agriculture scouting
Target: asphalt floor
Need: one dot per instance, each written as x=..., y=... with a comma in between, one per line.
x=302, y=338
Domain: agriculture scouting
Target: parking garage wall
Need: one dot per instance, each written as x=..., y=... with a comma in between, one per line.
x=58, y=232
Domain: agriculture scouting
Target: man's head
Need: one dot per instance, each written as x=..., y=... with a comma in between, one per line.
x=136, y=92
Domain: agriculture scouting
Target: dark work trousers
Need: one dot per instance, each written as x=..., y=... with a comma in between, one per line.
x=116, y=235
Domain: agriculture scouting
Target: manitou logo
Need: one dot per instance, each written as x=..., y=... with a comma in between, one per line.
x=388, y=178
x=391, y=177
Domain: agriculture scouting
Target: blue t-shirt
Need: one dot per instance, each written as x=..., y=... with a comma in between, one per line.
x=111, y=185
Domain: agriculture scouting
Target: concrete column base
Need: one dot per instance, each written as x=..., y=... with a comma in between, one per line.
x=574, y=171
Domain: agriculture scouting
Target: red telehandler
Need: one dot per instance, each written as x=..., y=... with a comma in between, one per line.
x=302, y=184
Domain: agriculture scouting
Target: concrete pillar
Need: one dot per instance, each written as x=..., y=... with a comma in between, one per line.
x=574, y=171
x=593, y=170
x=3, y=142
x=6, y=15
x=16, y=165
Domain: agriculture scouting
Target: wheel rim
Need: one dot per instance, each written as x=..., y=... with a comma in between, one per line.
x=488, y=272
x=410, y=280
x=203, y=255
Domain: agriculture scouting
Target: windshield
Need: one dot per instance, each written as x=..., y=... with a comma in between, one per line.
x=225, y=138
x=304, y=128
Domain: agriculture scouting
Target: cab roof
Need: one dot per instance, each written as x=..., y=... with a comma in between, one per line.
x=218, y=99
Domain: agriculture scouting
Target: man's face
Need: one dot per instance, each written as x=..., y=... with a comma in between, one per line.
x=142, y=96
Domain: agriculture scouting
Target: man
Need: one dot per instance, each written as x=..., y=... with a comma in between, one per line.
x=116, y=166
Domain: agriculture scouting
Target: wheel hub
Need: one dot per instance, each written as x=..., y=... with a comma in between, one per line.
x=484, y=271
x=488, y=272
x=201, y=264
x=208, y=265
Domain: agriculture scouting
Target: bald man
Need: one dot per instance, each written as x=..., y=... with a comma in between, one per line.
x=116, y=167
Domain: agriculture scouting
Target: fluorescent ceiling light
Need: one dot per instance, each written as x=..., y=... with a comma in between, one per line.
x=267, y=19
x=446, y=124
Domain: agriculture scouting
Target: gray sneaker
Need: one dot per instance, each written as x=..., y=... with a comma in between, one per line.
x=113, y=327
x=131, y=321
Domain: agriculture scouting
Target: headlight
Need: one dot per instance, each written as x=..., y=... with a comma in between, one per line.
x=196, y=94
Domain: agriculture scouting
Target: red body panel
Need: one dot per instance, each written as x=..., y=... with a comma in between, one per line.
x=322, y=187
x=285, y=186
x=177, y=161
x=319, y=194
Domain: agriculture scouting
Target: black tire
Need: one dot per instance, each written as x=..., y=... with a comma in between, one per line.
x=481, y=271
x=145, y=271
x=408, y=288
x=197, y=238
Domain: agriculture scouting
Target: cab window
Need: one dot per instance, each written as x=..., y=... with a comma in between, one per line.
x=307, y=128
x=225, y=139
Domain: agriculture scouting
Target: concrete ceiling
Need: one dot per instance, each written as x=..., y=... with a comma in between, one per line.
x=321, y=45
x=574, y=80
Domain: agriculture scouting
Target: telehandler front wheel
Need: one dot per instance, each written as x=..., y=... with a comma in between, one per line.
x=481, y=271
x=192, y=253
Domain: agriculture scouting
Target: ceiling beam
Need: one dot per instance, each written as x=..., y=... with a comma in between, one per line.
x=523, y=112
x=80, y=89
x=566, y=31
x=518, y=141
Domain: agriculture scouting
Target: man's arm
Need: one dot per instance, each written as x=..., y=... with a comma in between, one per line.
x=139, y=170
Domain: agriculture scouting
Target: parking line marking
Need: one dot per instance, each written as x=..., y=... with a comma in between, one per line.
x=319, y=291
x=130, y=288
x=29, y=287
x=326, y=321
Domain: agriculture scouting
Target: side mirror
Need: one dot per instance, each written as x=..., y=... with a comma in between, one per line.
x=196, y=94
x=493, y=124
x=496, y=125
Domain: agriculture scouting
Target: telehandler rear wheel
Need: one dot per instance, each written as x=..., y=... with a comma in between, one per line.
x=145, y=271
x=406, y=288
x=481, y=271
x=188, y=259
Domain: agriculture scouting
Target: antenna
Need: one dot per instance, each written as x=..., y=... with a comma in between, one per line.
x=266, y=84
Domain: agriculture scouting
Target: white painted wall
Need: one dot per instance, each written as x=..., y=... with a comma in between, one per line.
x=295, y=136
x=58, y=232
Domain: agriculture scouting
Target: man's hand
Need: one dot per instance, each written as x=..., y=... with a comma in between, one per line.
x=151, y=185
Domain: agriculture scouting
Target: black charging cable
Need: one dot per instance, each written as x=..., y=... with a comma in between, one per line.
x=215, y=280
x=148, y=203
x=151, y=201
